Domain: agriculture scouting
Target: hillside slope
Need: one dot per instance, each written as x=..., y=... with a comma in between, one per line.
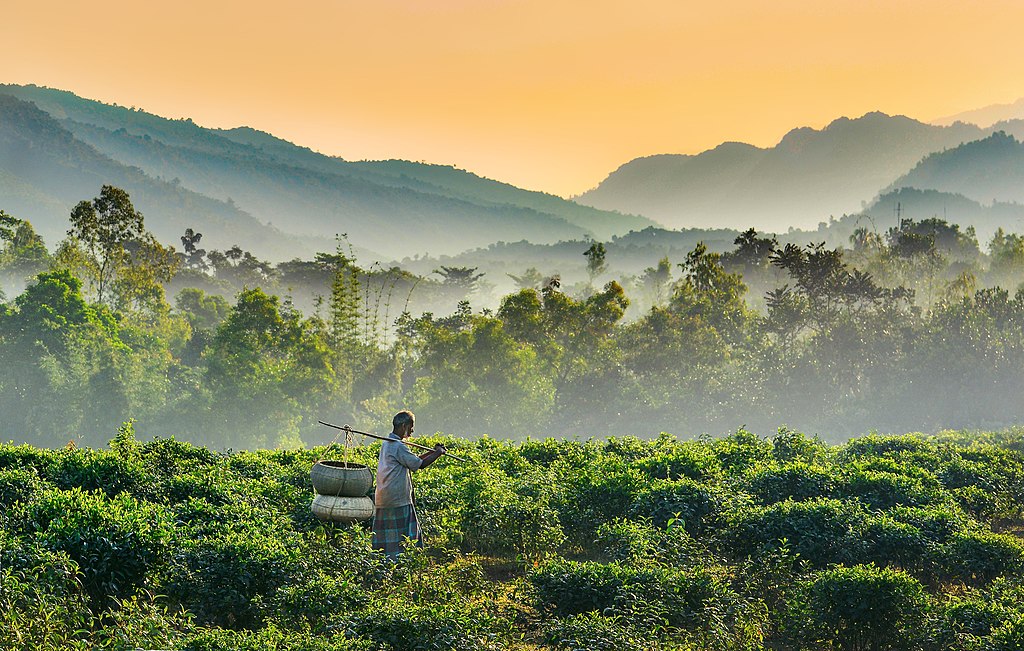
x=439, y=208
x=986, y=170
x=810, y=175
x=45, y=171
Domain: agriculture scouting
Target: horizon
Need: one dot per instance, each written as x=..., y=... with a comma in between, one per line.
x=545, y=98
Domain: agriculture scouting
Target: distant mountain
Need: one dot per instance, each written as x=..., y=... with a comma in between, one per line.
x=45, y=171
x=985, y=171
x=912, y=203
x=808, y=177
x=392, y=207
x=986, y=116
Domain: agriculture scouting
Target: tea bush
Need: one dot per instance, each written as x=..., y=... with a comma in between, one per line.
x=859, y=607
x=823, y=531
x=741, y=543
x=979, y=557
x=592, y=630
x=115, y=542
x=18, y=485
x=795, y=481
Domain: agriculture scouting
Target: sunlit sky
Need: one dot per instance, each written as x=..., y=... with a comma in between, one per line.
x=543, y=94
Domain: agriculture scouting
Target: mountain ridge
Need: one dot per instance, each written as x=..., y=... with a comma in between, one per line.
x=809, y=175
x=46, y=169
x=310, y=195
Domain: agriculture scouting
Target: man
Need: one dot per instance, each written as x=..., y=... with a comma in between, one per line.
x=395, y=516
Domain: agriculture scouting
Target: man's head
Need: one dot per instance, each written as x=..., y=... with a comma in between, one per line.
x=403, y=423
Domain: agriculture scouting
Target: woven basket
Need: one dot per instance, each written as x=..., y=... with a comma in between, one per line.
x=342, y=509
x=340, y=478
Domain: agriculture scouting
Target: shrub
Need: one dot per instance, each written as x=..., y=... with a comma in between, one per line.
x=979, y=502
x=269, y=637
x=33, y=616
x=700, y=601
x=681, y=461
x=961, y=473
x=139, y=622
x=892, y=543
x=963, y=620
x=860, y=607
x=638, y=542
x=169, y=457
x=25, y=457
x=1009, y=636
x=789, y=446
x=224, y=581
x=18, y=485
x=175, y=489
x=741, y=450
x=569, y=588
x=425, y=628
x=874, y=445
x=498, y=520
x=979, y=557
x=795, y=481
x=593, y=632
x=936, y=523
x=588, y=496
x=116, y=542
x=822, y=532
x=885, y=490
x=695, y=506
x=91, y=470
x=312, y=600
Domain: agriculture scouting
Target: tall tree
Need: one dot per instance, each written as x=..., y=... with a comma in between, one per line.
x=23, y=253
x=109, y=246
x=597, y=263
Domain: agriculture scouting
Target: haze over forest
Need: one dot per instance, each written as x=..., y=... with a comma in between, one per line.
x=861, y=276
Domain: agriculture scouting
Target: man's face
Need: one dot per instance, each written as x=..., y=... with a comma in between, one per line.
x=407, y=430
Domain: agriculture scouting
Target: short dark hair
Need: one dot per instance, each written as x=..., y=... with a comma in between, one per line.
x=403, y=417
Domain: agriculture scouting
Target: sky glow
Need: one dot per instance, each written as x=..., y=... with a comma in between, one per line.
x=546, y=95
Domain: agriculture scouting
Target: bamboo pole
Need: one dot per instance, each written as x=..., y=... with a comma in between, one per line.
x=346, y=428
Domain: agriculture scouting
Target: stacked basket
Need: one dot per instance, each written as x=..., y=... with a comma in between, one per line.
x=342, y=491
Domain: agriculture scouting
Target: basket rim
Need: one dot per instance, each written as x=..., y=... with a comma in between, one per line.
x=340, y=465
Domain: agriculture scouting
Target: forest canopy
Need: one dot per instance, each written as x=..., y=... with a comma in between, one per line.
x=912, y=329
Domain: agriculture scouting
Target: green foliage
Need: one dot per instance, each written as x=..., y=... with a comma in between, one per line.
x=223, y=580
x=263, y=365
x=591, y=630
x=569, y=588
x=33, y=617
x=18, y=485
x=796, y=481
x=116, y=542
x=22, y=251
x=979, y=557
x=859, y=607
x=735, y=543
x=109, y=246
x=822, y=531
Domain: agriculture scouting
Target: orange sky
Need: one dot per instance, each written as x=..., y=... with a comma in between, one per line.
x=544, y=94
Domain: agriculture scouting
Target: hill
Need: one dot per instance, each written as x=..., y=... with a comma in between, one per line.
x=45, y=171
x=810, y=175
x=987, y=170
x=441, y=209
x=986, y=115
x=918, y=205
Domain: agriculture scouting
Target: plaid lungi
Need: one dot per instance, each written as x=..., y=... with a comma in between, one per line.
x=392, y=526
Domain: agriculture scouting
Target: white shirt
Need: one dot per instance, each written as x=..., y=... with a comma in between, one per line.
x=394, y=485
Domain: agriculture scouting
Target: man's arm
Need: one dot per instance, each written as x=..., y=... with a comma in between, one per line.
x=430, y=457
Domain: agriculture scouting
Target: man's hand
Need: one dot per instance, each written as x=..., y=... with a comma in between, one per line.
x=432, y=456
